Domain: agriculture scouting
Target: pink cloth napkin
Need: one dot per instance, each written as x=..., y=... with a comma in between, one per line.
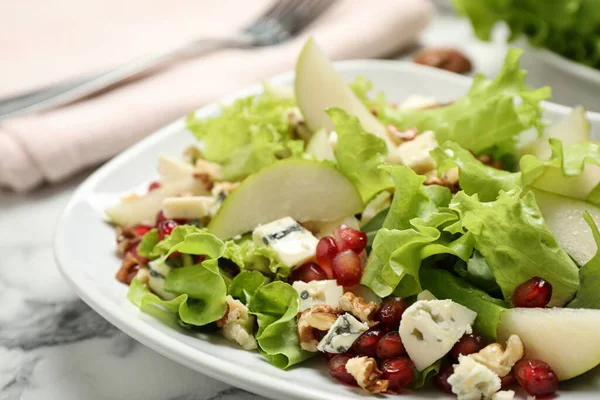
x=56, y=40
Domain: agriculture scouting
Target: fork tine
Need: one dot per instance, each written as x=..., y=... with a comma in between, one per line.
x=302, y=14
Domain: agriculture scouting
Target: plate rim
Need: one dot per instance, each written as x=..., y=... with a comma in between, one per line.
x=160, y=342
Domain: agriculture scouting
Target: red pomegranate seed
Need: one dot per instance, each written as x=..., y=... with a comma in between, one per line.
x=536, y=377
x=199, y=259
x=366, y=344
x=347, y=268
x=165, y=228
x=390, y=346
x=440, y=381
x=326, y=252
x=508, y=381
x=308, y=272
x=399, y=371
x=337, y=369
x=154, y=185
x=349, y=353
x=468, y=344
x=536, y=292
x=160, y=217
x=347, y=238
x=389, y=313
x=141, y=229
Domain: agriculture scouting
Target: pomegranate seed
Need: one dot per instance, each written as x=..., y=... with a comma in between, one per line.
x=536, y=292
x=468, y=344
x=154, y=185
x=308, y=272
x=390, y=346
x=337, y=369
x=160, y=217
x=347, y=268
x=199, y=259
x=349, y=353
x=366, y=344
x=165, y=228
x=508, y=381
x=390, y=312
x=536, y=377
x=440, y=381
x=141, y=229
x=326, y=252
x=399, y=371
x=347, y=238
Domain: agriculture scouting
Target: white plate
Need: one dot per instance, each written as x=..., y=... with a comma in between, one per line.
x=85, y=250
x=573, y=68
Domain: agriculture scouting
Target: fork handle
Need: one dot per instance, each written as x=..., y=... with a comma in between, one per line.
x=64, y=94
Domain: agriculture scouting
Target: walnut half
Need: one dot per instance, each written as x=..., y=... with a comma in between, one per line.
x=449, y=59
x=358, y=307
x=367, y=375
x=320, y=317
x=498, y=359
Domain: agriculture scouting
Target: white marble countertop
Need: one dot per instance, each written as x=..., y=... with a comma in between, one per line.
x=54, y=347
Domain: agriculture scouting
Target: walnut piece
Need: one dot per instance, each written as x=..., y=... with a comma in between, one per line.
x=367, y=375
x=129, y=268
x=358, y=307
x=448, y=179
x=444, y=58
x=320, y=317
x=399, y=137
x=498, y=359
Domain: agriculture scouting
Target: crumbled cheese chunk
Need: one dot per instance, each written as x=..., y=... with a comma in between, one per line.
x=293, y=244
x=188, y=207
x=342, y=334
x=239, y=325
x=212, y=170
x=318, y=292
x=473, y=381
x=504, y=395
x=333, y=139
x=417, y=102
x=430, y=328
x=158, y=272
x=415, y=153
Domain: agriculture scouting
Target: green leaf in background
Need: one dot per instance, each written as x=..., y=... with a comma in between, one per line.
x=572, y=171
x=189, y=239
x=248, y=256
x=359, y=155
x=421, y=377
x=374, y=225
x=477, y=272
x=149, y=240
x=245, y=285
x=488, y=118
x=513, y=237
x=474, y=176
x=445, y=285
x=361, y=88
x=275, y=306
x=251, y=133
x=588, y=295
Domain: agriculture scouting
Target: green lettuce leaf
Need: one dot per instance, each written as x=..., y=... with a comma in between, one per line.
x=588, y=295
x=421, y=377
x=248, y=256
x=275, y=306
x=474, y=176
x=477, y=272
x=251, y=133
x=361, y=87
x=445, y=285
x=359, y=155
x=570, y=171
x=189, y=239
x=149, y=240
x=201, y=298
x=245, y=285
x=488, y=118
x=513, y=237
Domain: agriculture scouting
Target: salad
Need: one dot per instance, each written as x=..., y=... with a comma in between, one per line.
x=404, y=244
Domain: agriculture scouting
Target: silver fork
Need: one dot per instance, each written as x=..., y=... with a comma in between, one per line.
x=278, y=24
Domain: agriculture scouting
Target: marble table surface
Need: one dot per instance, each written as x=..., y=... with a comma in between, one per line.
x=54, y=347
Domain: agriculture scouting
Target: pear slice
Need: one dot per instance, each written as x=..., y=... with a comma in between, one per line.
x=578, y=187
x=319, y=87
x=564, y=217
x=302, y=189
x=143, y=209
x=565, y=338
x=320, y=147
x=171, y=169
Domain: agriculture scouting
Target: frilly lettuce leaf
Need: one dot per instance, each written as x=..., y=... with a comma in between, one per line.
x=560, y=172
x=147, y=244
x=359, y=155
x=477, y=272
x=445, y=285
x=251, y=133
x=275, y=306
x=361, y=88
x=488, y=118
x=421, y=377
x=474, y=176
x=189, y=239
x=201, y=298
x=588, y=295
x=245, y=285
x=248, y=256
x=512, y=235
